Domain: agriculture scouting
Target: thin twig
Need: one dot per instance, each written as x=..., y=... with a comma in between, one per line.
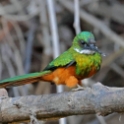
x=29, y=47
x=0, y=66
x=44, y=39
x=54, y=29
x=55, y=40
x=77, y=16
x=54, y=32
x=20, y=36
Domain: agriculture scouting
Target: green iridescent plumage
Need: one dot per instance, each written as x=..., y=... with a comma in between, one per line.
x=19, y=80
x=63, y=60
x=31, y=75
x=83, y=54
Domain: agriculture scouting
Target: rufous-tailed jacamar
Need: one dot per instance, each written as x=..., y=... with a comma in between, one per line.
x=81, y=60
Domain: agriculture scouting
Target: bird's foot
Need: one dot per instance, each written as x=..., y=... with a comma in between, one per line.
x=78, y=88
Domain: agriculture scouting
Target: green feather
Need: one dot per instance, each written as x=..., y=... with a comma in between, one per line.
x=61, y=61
x=21, y=78
x=26, y=76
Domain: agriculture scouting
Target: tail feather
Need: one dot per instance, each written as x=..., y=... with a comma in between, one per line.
x=23, y=79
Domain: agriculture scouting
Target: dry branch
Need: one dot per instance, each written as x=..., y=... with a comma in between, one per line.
x=98, y=99
x=77, y=17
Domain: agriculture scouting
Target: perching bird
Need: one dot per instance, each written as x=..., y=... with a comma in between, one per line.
x=82, y=60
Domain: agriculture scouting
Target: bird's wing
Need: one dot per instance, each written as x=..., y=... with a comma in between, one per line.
x=64, y=60
x=23, y=79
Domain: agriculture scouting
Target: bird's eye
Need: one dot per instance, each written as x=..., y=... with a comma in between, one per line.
x=82, y=42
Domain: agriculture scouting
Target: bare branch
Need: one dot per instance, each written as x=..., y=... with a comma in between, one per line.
x=54, y=32
x=100, y=99
x=76, y=16
x=54, y=29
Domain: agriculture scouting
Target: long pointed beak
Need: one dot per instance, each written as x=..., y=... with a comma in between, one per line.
x=95, y=48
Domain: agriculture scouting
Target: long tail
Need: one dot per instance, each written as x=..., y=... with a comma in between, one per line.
x=23, y=79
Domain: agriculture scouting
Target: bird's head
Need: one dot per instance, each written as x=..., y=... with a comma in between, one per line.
x=85, y=43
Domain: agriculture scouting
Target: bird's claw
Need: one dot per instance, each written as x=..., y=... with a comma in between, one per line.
x=78, y=88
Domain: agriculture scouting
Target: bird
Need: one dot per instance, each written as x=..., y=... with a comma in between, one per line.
x=82, y=60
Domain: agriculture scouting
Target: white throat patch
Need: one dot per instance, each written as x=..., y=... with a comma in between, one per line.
x=84, y=51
